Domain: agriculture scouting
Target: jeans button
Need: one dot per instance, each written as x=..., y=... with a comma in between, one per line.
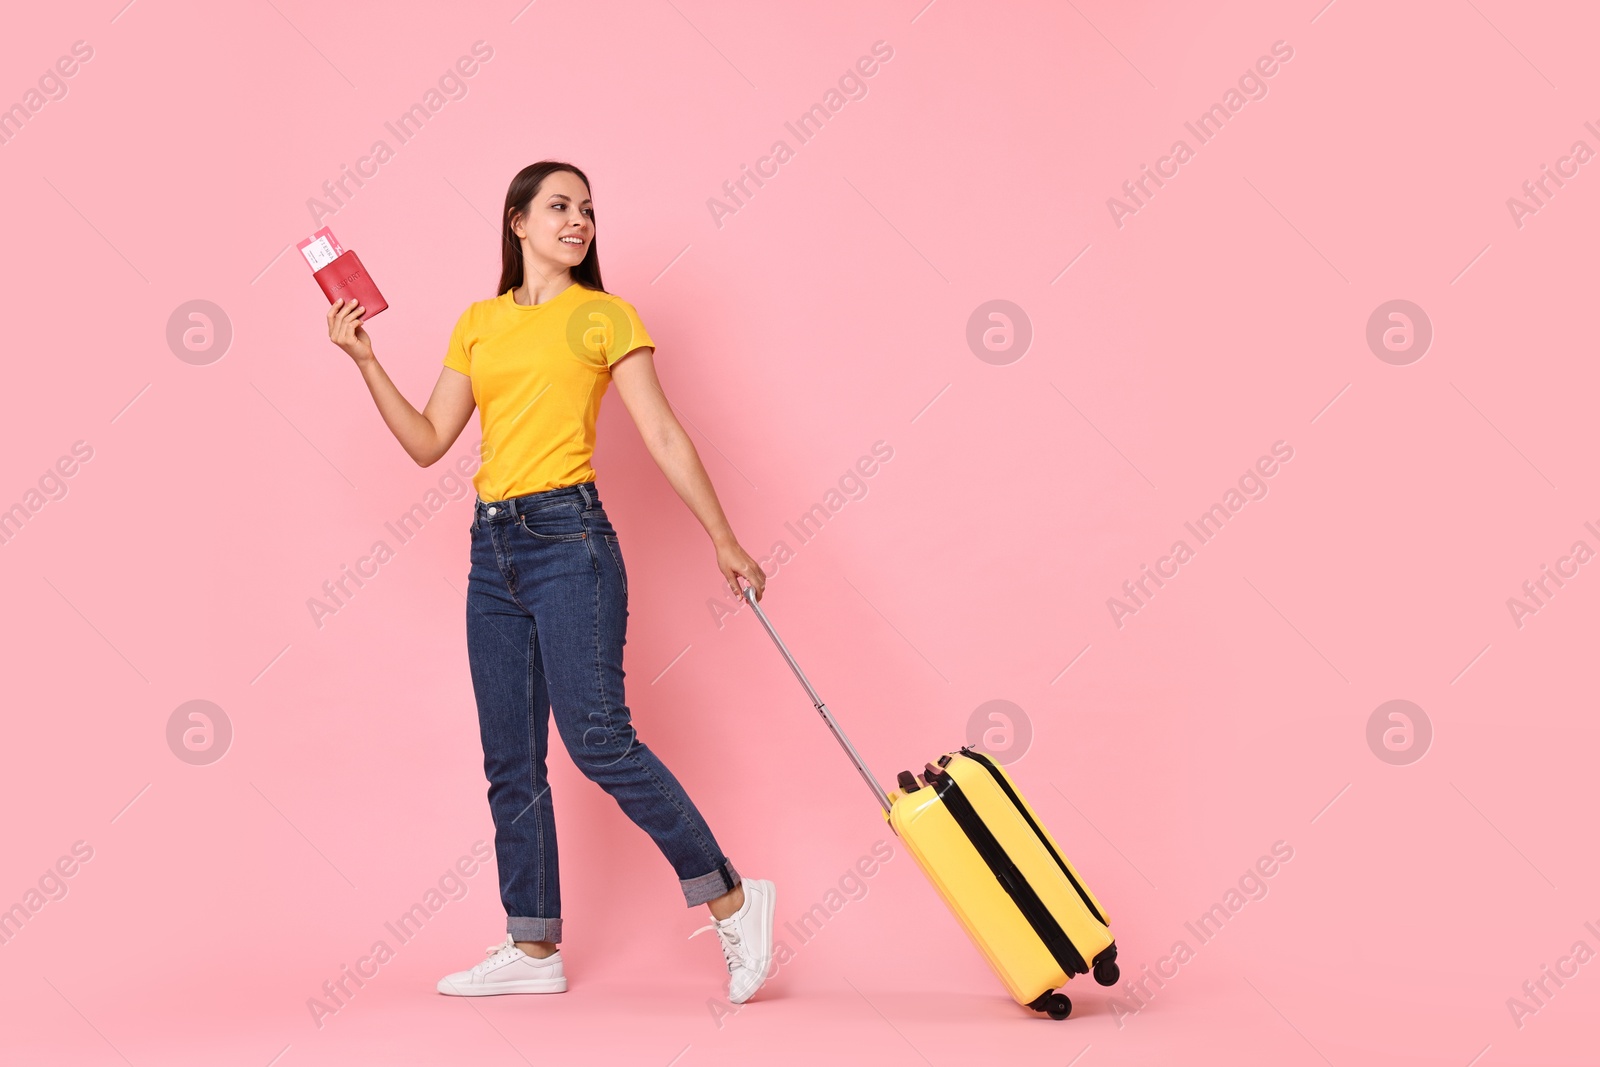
x=493, y=510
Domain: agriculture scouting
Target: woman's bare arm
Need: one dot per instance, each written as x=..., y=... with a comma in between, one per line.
x=668, y=444
x=426, y=435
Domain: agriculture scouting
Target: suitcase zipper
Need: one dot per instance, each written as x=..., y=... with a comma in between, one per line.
x=1023, y=811
x=1044, y=924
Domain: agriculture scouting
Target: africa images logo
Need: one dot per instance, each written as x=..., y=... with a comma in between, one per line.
x=1252, y=85
x=599, y=330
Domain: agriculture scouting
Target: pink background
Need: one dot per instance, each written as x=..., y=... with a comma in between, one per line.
x=830, y=312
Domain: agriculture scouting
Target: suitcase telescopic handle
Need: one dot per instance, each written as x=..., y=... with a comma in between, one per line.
x=822, y=709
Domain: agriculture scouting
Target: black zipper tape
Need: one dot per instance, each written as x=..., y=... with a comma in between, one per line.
x=1033, y=909
x=1023, y=811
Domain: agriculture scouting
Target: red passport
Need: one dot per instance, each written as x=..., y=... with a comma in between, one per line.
x=346, y=279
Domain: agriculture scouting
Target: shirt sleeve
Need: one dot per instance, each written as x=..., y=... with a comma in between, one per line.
x=627, y=332
x=457, y=355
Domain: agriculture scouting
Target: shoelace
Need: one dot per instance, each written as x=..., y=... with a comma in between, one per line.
x=732, y=946
x=492, y=952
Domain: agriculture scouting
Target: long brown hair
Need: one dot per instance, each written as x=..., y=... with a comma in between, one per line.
x=524, y=187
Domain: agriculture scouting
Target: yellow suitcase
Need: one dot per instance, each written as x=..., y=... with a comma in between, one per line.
x=997, y=868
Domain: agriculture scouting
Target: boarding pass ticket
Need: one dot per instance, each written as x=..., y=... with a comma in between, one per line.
x=321, y=248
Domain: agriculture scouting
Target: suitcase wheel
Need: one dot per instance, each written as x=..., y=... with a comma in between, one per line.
x=1106, y=971
x=1055, y=1005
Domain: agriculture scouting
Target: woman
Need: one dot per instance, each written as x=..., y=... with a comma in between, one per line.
x=547, y=594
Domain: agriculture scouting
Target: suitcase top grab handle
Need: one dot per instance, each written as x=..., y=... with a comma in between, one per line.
x=822, y=709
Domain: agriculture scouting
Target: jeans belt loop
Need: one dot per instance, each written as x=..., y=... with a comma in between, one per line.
x=583, y=488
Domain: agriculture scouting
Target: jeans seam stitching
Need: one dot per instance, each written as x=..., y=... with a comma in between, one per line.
x=705, y=845
x=547, y=538
x=599, y=661
x=533, y=762
x=616, y=556
x=508, y=570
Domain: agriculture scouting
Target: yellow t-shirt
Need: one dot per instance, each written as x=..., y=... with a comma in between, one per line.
x=538, y=373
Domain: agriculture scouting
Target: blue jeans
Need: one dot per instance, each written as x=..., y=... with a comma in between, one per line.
x=547, y=613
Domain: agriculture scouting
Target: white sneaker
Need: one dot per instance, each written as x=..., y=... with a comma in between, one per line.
x=746, y=938
x=507, y=970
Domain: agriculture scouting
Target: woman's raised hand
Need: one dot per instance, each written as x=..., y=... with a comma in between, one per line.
x=346, y=331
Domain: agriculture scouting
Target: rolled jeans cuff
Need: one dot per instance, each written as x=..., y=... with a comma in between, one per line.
x=522, y=928
x=708, y=887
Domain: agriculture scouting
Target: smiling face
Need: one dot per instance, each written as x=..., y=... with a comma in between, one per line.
x=558, y=224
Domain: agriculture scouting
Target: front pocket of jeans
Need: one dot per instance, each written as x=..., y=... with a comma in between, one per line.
x=553, y=524
x=616, y=554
